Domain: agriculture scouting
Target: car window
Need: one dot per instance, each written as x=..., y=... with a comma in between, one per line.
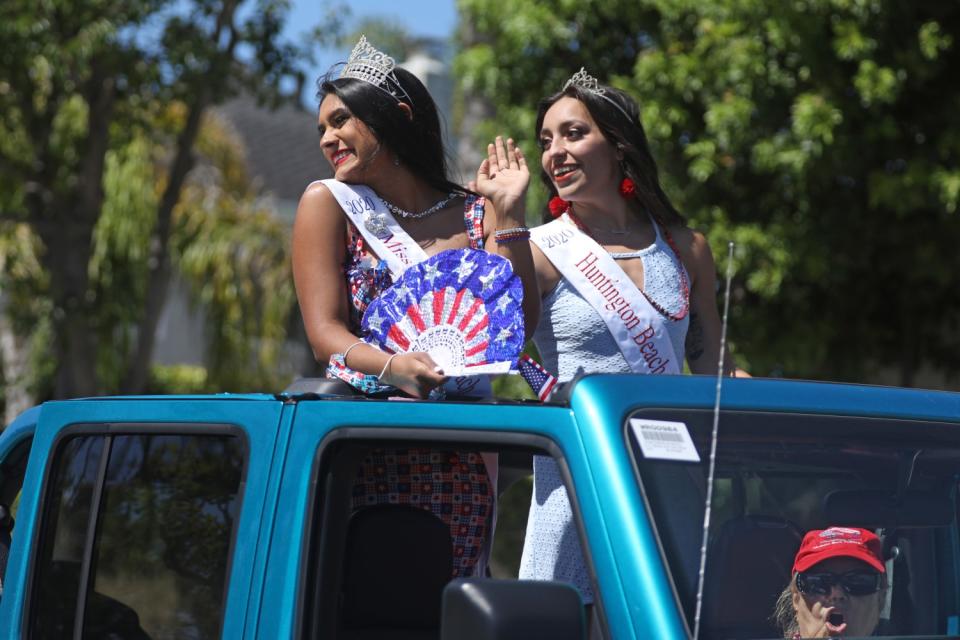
x=136, y=536
x=778, y=477
x=387, y=535
x=13, y=468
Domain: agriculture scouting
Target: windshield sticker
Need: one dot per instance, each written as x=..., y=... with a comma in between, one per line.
x=662, y=440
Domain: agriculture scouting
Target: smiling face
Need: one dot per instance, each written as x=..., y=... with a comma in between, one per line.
x=582, y=164
x=860, y=614
x=350, y=147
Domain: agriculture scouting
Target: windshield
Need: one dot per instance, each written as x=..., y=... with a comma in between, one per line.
x=779, y=476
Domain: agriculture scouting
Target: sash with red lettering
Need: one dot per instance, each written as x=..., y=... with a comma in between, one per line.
x=635, y=325
x=376, y=224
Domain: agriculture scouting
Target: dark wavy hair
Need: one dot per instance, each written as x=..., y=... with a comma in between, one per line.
x=624, y=130
x=418, y=143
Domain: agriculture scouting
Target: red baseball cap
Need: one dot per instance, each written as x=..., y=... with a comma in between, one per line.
x=839, y=542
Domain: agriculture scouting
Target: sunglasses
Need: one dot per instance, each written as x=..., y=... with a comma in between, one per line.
x=854, y=583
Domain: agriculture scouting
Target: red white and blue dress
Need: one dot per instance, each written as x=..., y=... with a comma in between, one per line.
x=454, y=485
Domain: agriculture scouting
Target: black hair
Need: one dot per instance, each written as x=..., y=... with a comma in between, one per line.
x=623, y=129
x=417, y=142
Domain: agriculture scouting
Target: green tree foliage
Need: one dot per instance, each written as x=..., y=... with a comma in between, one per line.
x=227, y=247
x=233, y=253
x=819, y=135
x=24, y=319
x=93, y=164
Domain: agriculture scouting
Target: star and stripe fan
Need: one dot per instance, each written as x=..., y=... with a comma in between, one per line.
x=462, y=306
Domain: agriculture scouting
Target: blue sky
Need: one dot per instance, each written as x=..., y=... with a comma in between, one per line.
x=436, y=18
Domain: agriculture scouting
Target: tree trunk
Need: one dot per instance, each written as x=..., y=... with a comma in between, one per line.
x=66, y=256
x=158, y=284
x=14, y=356
x=68, y=240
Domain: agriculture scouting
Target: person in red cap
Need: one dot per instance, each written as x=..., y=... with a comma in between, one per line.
x=837, y=588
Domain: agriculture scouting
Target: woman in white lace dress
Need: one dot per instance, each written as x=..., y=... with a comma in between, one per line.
x=626, y=285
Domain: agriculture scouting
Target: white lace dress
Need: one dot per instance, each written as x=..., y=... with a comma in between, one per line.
x=570, y=336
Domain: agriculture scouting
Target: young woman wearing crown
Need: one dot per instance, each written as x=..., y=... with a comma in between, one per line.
x=391, y=205
x=389, y=212
x=627, y=286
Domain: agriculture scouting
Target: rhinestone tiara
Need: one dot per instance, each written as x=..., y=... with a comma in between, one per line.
x=583, y=80
x=372, y=66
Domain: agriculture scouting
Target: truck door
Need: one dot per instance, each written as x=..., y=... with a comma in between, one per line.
x=15, y=444
x=340, y=551
x=139, y=517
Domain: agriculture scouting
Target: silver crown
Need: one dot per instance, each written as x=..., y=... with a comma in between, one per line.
x=587, y=82
x=372, y=66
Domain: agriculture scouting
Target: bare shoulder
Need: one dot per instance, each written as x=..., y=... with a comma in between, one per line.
x=318, y=206
x=691, y=244
x=318, y=197
x=694, y=251
x=320, y=225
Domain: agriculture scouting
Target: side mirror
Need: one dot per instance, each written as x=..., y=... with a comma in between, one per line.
x=486, y=609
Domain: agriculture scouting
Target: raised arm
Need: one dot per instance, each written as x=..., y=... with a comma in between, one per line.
x=319, y=251
x=502, y=179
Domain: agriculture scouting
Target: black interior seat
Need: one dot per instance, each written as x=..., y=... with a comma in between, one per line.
x=748, y=565
x=398, y=559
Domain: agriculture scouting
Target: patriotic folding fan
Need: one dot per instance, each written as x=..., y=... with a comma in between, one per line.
x=461, y=306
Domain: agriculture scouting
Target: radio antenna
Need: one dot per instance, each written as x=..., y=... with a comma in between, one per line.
x=713, y=446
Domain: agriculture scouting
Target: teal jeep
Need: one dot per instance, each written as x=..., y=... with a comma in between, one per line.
x=229, y=516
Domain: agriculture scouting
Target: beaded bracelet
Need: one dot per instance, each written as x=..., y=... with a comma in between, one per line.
x=511, y=235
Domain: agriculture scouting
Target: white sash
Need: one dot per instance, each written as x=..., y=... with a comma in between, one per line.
x=378, y=227
x=638, y=329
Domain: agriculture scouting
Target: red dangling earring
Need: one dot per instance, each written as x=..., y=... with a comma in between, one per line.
x=628, y=188
x=558, y=206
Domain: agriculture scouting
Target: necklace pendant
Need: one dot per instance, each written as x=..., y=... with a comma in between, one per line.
x=376, y=223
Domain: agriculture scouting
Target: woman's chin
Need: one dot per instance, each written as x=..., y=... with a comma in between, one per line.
x=346, y=174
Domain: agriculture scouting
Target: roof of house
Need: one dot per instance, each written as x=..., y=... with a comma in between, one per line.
x=281, y=144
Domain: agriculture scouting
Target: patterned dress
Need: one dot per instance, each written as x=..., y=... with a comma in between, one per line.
x=452, y=484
